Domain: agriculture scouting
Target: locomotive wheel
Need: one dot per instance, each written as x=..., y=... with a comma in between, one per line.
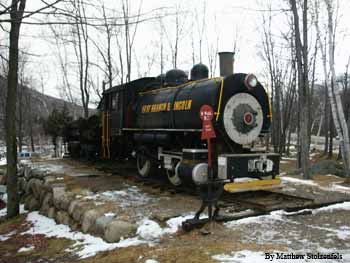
x=145, y=166
x=173, y=176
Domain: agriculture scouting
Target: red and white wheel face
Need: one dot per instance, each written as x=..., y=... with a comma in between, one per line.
x=243, y=118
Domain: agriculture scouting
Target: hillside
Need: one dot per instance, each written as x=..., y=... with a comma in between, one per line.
x=35, y=104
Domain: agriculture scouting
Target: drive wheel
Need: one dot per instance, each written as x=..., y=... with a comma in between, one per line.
x=145, y=166
x=173, y=176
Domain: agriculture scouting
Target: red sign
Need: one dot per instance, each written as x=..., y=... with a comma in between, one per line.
x=206, y=114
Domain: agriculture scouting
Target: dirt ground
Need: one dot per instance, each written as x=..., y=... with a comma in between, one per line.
x=325, y=230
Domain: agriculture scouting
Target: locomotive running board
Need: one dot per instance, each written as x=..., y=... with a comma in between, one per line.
x=253, y=185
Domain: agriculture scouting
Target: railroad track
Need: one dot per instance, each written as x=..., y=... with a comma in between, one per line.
x=233, y=206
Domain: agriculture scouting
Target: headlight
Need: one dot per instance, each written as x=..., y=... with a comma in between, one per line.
x=250, y=81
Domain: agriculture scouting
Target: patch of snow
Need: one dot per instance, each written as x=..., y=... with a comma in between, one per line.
x=151, y=261
x=50, y=168
x=245, y=256
x=340, y=188
x=289, y=158
x=131, y=196
x=284, y=161
x=149, y=230
x=85, y=244
x=176, y=222
x=25, y=249
x=3, y=212
x=273, y=216
x=59, y=178
x=3, y=161
x=245, y=179
x=298, y=181
x=331, y=208
x=4, y=197
x=110, y=214
x=25, y=161
x=7, y=236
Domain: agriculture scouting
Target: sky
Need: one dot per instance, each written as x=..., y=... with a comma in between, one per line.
x=226, y=20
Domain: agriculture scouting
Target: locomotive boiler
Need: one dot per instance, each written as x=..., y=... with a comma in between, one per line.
x=157, y=121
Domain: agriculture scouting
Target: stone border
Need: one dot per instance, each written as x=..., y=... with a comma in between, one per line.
x=40, y=191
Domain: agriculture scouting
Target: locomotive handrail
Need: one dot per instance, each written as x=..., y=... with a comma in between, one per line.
x=178, y=87
x=220, y=99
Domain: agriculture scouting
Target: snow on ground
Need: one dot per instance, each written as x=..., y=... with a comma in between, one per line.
x=26, y=249
x=49, y=167
x=298, y=181
x=334, y=187
x=331, y=208
x=7, y=236
x=151, y=261
x=3, y=212
x=245, y=256
x=273, y=216
x=288, y=158
x=85, y=245
x=339, y=188
x=3, y=161
x=305, y=234
x=131, y=196
x=151, y=230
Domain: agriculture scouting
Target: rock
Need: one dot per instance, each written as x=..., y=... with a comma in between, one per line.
x=4, y=178
x=74, y=225
x=31, y=203
x=46, y=204
x=72, y=206
x=27, y=172
x=20, y=171
x=38, y=173
x=117, y=229
x=89, y=219
x=165, y=215
x=327, y=167
x=61, y=199
x=88, y=222
x=101, y=224
x=79, y=209
x=21, y=184
x=62, y=217
x=34, y=187
x=51, y=212
x=43, y=191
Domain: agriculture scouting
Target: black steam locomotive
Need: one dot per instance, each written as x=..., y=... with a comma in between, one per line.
x=157, y=121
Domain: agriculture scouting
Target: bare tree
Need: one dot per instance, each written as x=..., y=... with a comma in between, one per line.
x=337, y=109
x=129, y=35
x=301, y=53
x=16, y=12
x=179, y=32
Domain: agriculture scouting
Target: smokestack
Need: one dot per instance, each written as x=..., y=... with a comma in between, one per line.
x=226, y=63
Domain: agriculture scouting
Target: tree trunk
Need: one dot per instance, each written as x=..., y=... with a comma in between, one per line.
x=303, y=86
x=17, y=9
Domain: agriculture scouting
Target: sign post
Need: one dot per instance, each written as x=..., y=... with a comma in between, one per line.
x=211, y=190
x=206, y=113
